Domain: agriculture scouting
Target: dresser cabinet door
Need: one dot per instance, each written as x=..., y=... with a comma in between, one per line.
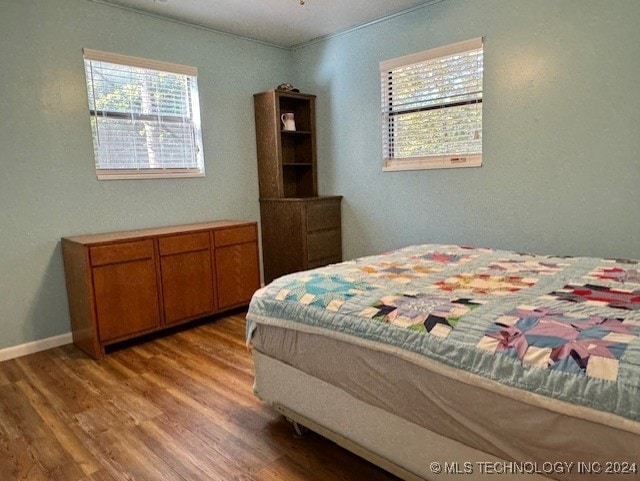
x=187, y=279
x=237, y=272
x=324, y=237
x=125, y=289
x=324, y=247
x=324, y=214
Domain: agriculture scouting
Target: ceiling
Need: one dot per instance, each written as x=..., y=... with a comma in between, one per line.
x=281, y=22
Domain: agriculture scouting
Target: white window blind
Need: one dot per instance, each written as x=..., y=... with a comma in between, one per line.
x=432, y=108
x=145, y=117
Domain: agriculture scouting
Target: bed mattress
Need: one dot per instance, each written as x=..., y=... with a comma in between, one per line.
x=480, y=418
x=547, y=348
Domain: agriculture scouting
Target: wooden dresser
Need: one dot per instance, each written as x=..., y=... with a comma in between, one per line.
x=124, y=284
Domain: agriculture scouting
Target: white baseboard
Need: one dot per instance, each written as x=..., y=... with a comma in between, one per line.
x=35, y=346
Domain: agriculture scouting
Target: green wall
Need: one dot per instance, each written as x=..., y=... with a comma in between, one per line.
x=48, y=187
x=561, y=130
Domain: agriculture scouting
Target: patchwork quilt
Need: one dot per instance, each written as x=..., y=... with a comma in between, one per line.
x=563, y=327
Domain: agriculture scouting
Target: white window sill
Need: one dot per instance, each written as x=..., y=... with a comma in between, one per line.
x=428, y=163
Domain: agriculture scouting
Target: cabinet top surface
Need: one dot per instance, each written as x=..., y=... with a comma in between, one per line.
x=155, y=231
x=285, y=93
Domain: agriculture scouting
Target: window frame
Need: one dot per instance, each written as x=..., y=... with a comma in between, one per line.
x=390, y=112
x=191, y=75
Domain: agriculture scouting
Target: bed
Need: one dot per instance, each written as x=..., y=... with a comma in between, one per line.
x=437, y=361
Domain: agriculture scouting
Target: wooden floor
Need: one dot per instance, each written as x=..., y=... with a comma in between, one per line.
x=179, y=407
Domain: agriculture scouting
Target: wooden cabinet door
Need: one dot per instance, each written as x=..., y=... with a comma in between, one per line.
x=237, y=273
x=187, y=278
x=283, y=246
x=126, y=298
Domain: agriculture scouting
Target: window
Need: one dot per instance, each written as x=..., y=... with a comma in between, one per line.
x=432, y=108
x=145, y=117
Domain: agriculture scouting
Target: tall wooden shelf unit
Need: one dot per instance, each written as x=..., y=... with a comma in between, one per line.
x=300, y=230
